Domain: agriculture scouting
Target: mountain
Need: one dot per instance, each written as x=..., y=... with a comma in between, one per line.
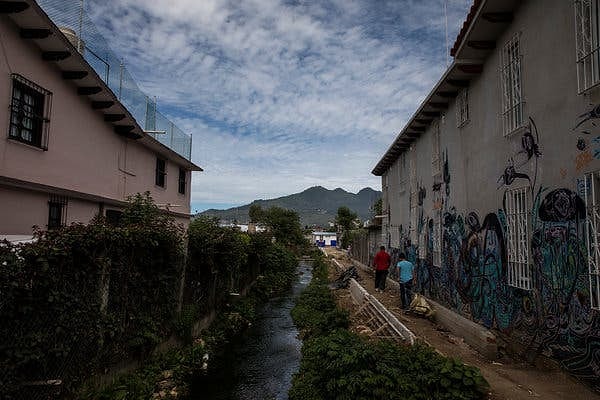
x=315, y=206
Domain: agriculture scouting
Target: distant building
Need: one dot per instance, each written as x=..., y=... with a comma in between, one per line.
x=71, y=149
x=324, y=238
x=493, y=186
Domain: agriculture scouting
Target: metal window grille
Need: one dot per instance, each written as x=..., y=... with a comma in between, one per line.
x=587, y=35
x=402, y=173
x=182, y=180
x=57, y=211
x=462, y=107
x=413, y=195
x=160, y=172
x=510, y=73
x=437, y=238
x=592, y=202
x=436, y=164
x=517, y=218
x=29, y=112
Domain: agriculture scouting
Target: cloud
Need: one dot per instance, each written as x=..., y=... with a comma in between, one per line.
x=282, y=95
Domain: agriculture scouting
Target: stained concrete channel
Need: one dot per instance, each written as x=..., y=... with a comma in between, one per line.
x=262, y=362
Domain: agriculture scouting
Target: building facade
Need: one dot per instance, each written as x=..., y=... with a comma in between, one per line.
x=493, y=187
x=71, y=149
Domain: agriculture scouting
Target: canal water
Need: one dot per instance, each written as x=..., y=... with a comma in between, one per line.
x=259, y=365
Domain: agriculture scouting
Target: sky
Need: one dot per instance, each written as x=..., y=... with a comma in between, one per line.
x=282, y=95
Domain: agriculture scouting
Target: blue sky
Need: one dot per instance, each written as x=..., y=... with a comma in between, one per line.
x=281, y=95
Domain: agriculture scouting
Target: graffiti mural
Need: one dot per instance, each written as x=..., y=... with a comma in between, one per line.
x=530, y=150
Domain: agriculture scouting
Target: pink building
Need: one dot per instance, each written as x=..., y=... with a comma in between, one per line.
x=71, y=149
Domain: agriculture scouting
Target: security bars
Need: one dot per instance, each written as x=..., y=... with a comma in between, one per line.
x=512, y=99
x=517, y=218
x=591, y=193
x=587, y=35
x=462, y=107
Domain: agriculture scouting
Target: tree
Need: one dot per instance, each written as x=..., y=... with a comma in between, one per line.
x=345, y=220
x=256, y=213
x=284, y=225
x=378, y=207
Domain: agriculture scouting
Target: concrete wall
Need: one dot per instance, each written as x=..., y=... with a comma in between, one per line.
x=84, y=154
x=553, y=319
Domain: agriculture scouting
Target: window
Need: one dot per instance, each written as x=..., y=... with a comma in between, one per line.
x=517, y=218
x=29, y=112
x=436, y=164
x=182, y=180
x=512, y=100
x=592, y=204
x=113, y=217
x=161, y=173
x=57, y=212
x=414, y=196
x=462, y=107
x=402, y=173
x=437, y=238
x=587, y=35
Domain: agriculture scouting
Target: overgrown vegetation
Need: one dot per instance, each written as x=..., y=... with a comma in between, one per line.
x=222, y=263
x=277, y=269
x=81, y=297
x=338, y=364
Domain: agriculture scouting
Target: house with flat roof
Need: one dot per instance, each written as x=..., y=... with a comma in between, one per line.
x=72, y=149
x=493, y=186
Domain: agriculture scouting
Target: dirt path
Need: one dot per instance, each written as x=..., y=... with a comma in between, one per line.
x=508, y=379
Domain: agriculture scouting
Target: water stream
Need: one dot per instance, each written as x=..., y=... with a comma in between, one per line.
x=260, y=365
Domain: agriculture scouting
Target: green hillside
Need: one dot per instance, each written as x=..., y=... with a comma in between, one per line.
x=316, y=205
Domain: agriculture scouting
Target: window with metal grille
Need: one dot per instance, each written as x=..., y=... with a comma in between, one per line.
x=414, y=195
x=57, y=212
x=182, y=180
x=462, y=107
x=592, y=203
x=510, y=73
x=437, y=238
x=29, y=112
x=587, y=35
x=402, y=173
x=436, y=164
x=517, y=232
x=161, y=172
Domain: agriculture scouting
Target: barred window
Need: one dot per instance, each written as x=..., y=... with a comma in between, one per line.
x=592, y=203
x=510, y=73
x=57, y=212
x=182, y=180
x=414, y=195
x=587, y=35
x=161, y=172
x=437, y=238
x=517, y=218
x=462, y=107
x=436, y=164
x=29, y=113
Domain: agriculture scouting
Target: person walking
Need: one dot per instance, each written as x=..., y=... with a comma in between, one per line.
x=406, y=277
x=381, y=262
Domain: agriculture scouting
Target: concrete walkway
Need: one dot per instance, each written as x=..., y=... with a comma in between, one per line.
x=509, y=379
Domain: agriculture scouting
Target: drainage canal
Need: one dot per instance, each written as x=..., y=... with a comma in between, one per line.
x=259, y=365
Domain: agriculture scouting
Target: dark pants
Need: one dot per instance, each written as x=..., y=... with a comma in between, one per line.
x=380, y=277
x=406, y=293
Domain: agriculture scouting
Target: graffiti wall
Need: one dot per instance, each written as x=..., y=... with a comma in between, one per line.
x=554, y=318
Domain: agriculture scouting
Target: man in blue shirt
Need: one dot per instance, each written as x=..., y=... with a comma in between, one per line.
x=406, y=277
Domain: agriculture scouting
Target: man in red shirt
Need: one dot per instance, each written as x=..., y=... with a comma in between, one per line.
x=381, y=262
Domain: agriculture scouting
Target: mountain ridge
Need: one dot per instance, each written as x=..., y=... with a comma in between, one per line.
x=315, y=205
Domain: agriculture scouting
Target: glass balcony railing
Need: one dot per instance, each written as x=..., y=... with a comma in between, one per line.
x=72, y=14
